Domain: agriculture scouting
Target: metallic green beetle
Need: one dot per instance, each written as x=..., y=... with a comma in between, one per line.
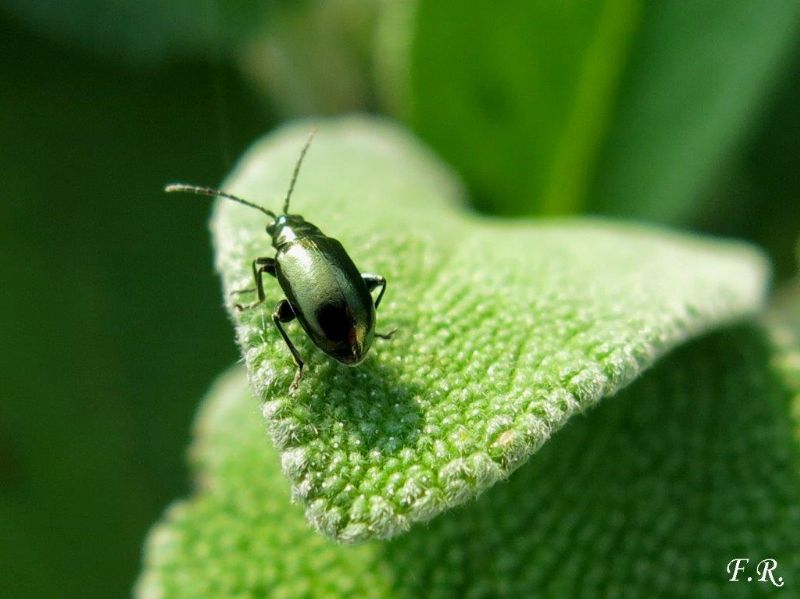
x=324, y=290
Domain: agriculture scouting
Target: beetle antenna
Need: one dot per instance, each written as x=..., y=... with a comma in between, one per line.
x=210, y=191
x=297, y=169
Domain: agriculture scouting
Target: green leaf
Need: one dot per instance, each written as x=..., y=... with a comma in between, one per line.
x=755, y=197
x=612, y=106
x=506, y=328
x=518, y=98
x=651, y=494
x=699, y=72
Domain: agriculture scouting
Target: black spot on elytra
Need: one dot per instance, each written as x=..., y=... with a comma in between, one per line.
x=336, y=322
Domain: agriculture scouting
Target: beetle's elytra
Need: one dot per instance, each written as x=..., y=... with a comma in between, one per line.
x=324, y=290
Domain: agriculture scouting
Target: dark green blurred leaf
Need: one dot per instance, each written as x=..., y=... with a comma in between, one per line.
x=699, y=72
x=110, y=322
x=757, y=196
x=307, y=57
x=517, y=98
x=144, y=31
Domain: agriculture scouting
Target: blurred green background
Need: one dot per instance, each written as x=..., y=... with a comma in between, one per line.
x=111, y=324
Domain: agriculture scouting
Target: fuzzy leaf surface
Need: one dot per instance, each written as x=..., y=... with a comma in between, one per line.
x=505, y=328
x=692, y=464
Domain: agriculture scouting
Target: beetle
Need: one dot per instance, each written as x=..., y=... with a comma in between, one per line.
x=326, y=293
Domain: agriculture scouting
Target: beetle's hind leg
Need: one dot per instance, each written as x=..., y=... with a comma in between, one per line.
x=372, y=282
x=285, y=313
x=260, y=266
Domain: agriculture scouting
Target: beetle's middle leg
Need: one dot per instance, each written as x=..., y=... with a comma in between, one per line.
x=285, y=313
x=260, y=266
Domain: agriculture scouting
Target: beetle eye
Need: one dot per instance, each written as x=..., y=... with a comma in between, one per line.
x=271, y=228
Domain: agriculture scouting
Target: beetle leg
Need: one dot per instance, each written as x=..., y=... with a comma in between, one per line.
x=372, y=282
x=285, y=313
x=260, y=266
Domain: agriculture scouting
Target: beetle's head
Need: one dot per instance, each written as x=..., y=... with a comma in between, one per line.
x=275, y=226
x=286, y=228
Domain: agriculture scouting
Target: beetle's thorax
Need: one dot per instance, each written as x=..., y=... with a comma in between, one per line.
x=288, y=228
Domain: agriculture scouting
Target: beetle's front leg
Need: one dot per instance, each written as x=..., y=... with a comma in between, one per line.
x=373, y=281
x=285, y=313
x=260, y=266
